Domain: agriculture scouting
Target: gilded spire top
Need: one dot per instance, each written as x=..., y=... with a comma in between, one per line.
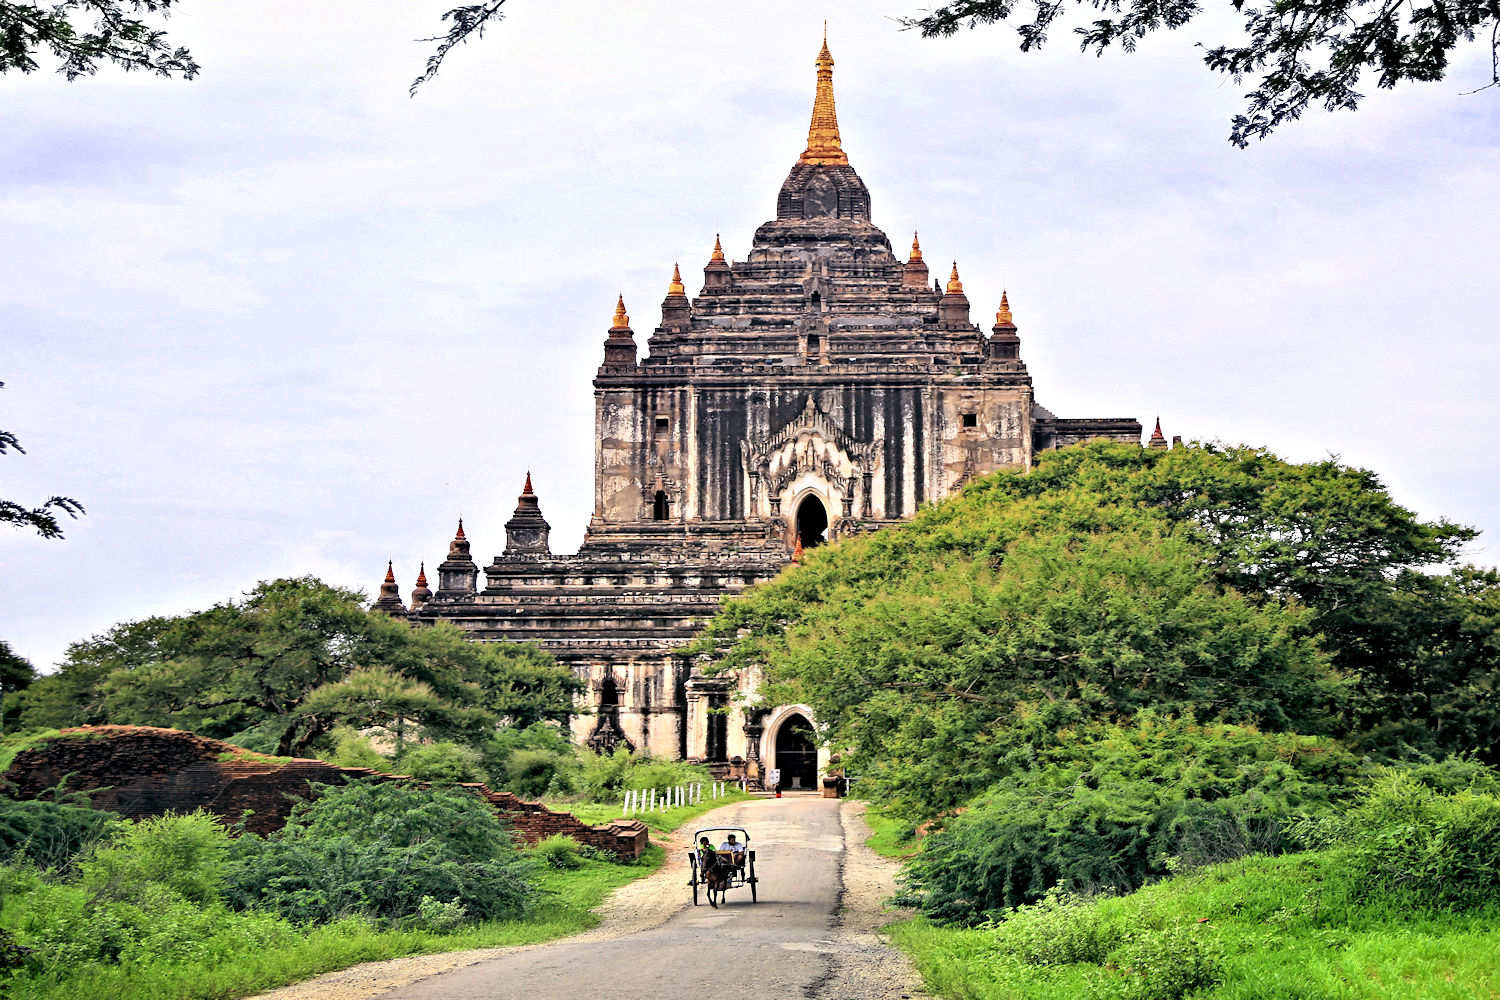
x=916, y=249
x=525, y=490
x=621, y=319
x=823, y=144
x=390, y=573
x=422, y=575
x=460, y=534
x=955, y=286
x=675, y=286
x=718, y=254
x=1002, y=315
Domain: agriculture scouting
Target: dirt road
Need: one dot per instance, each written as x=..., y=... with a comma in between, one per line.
x=812, y=933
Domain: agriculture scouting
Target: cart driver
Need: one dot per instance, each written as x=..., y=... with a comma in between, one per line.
x=736, y=849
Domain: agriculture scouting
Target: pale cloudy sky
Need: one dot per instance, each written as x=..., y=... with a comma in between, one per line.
x=285, y=320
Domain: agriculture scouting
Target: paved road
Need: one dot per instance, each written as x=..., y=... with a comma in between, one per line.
x=781, y=946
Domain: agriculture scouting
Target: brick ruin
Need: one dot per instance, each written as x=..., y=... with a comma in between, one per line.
x=818, y=388
x=140, y=771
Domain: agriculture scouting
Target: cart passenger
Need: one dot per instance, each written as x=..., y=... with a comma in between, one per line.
x=735, y=848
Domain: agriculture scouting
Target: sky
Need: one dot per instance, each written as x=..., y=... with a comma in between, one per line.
x=286, y=320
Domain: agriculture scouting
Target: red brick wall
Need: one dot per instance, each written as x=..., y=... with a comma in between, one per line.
x=141, y=771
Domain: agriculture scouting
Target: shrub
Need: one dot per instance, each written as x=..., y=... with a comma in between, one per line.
x=1058, y=929
x=1113, y=807
x=559, y=851
x=1168, y=963
x=185, y=855
x=52, y=834
x=441, y=763
x=1404, y=838
x=531, y=773
x=376, y=849
x=353, y=749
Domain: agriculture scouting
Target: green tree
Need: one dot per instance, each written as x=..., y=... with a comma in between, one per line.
x=44, y=519
x=1304, y=52
x=83, y=35
x=279, y=670
x=1222, y=583
x=16, y=674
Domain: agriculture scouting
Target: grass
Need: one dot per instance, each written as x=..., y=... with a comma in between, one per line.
x=13, y=744
x=1272, y=927
x=660, y=822
x=252, y=954
x=891, y=837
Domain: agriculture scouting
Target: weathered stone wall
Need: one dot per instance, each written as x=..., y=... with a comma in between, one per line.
x=140, y=771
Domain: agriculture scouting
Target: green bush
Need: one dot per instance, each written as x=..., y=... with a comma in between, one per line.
x=602, y=776
x=1058, y=929
x=1107, y=808
x=376, y=849
x=1405, y=839
x=353, y=749
x=441, y=763
x=1169, y=963
x=559, y=851
x=532, y=773
x=52, y=834
x=184, y=855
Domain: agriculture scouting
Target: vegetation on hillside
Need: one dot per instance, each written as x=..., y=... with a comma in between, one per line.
x=1131, y=663
x=294, y=660
x=178, y=906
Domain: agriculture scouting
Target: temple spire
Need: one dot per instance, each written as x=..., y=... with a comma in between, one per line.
x=389, y=600
x=955, y=285
x=675, y=287
x=1002, y=315
x=823, y=144
x=718, y=253
x=1158, y=439
x=527, y=488
x=916, y=248
x=622, y=321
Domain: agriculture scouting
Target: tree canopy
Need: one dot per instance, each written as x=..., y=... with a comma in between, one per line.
x=44, y=519
x=82, y=35
x=1302, y=53
x=1221, y=584
x=278, y=670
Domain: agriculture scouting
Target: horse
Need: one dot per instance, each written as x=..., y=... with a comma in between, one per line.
x=715, y=876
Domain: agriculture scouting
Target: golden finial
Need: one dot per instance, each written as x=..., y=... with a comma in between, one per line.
x=823, y=145
x=675, y=286
x=718, y=254
x=916, y=249
x=955, y=286
x=1002, y=315
x=621, y=320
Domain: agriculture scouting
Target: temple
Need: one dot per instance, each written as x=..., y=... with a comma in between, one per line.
x=820, y=387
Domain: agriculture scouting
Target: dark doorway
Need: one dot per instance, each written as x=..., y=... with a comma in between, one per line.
x=812, y=522
x=660, y=506
x=796, y=753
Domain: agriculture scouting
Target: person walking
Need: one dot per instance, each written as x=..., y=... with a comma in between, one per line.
x=774, y=780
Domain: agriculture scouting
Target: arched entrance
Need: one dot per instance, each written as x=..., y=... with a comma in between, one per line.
x=797, y=753
x=812, y=522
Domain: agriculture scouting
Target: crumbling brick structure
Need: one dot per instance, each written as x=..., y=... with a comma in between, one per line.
x=140, y=771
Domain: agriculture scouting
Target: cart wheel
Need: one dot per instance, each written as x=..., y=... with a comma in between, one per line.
x=752, y=879
x=695, y=892
x=752, y=890
x=693, y=875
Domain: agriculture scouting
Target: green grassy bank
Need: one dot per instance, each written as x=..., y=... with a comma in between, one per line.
x=1256, y=929
x=153, y=942
x=219, y=954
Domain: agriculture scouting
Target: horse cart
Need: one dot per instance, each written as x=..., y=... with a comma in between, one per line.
x=714, y=871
